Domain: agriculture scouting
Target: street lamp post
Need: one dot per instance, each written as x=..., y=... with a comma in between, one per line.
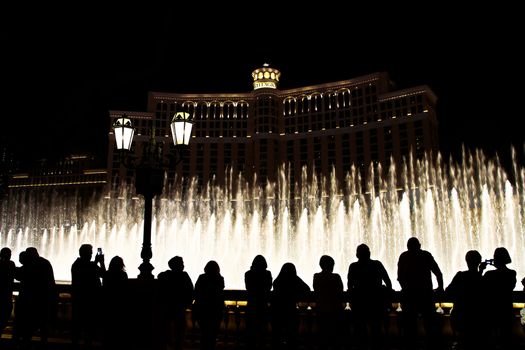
x=149, y=171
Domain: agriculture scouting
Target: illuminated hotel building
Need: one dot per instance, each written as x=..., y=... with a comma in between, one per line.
x=332, y=125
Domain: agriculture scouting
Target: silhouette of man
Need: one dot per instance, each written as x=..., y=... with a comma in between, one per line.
x=367, y=294
x=7, y=281
x=38, y=295
x=258, y=281
x=22, y=314
x=499, y=286
x=466, y=292
x=414, y=273
x=85, y=294
x=175, y=296
x=328, y=290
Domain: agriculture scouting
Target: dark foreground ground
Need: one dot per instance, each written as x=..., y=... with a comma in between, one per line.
x=392, y=342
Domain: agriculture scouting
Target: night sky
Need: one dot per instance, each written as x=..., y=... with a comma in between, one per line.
x=60, y=74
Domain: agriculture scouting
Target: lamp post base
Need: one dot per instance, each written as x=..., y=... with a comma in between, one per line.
x=145, y=271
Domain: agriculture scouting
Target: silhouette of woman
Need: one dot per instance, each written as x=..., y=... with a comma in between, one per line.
x=258, y=281
x=288, y=288
x=499, y=285
x=114, y=289
x=209, y=304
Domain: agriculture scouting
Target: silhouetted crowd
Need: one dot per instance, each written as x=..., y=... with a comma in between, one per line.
x=482, y=315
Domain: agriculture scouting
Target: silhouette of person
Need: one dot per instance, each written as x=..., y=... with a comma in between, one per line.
x=522, y=311
x=288, y=289
x=209, y=304
x=7, y=281
x=114, y=288
x=85, y=294
x=175, y=296
x=465, y=291
x=328, y=290
x=22, y=313
x=499, y=286
x=368, y=296
x=258, y=282
x=414, y=273
x=38, y=296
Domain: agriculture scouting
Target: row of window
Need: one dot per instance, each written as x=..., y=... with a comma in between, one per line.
x=201, y=110
x=329, y=100
x=346, y=116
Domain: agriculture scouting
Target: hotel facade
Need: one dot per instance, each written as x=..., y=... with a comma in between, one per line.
x=318, y=129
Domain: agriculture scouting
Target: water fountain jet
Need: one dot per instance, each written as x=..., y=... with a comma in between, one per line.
x=452, y=207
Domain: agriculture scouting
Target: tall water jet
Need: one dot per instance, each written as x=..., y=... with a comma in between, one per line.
x=452, y=207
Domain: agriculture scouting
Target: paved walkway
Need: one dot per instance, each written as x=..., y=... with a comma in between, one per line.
x=63, y=342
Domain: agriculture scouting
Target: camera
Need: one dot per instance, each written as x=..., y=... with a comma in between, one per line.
x=99, y=251
x=489, y=261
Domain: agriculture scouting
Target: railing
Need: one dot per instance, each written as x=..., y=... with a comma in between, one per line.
x=142, y=297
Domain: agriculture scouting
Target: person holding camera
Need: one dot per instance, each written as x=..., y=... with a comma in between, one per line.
x=86, y=288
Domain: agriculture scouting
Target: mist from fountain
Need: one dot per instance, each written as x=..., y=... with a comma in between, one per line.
x=451, y=207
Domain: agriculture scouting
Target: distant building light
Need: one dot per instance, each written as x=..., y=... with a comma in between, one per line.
x=59, y=184
x=95, y=171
